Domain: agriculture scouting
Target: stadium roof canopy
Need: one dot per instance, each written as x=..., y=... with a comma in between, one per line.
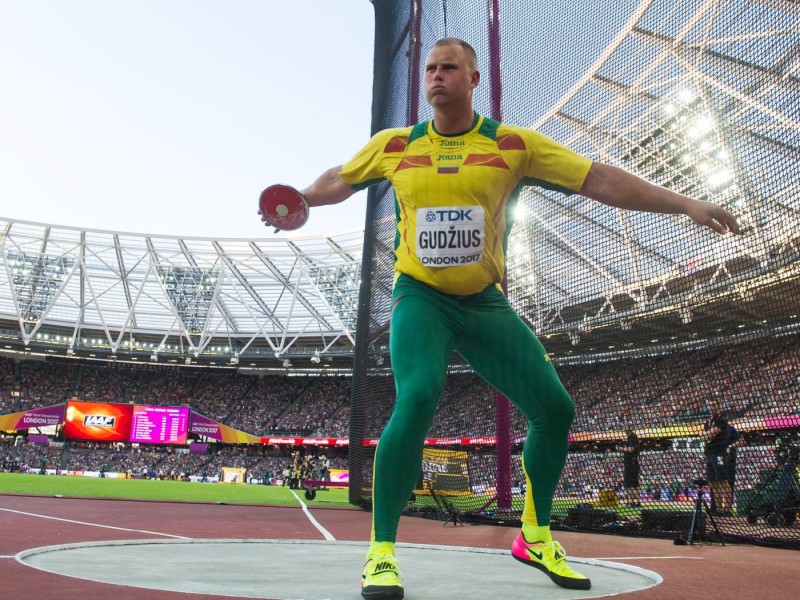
x=700, y=96
x=83, y=292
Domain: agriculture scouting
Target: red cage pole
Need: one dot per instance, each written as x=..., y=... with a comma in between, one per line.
x=502, y=408
x=414, y=52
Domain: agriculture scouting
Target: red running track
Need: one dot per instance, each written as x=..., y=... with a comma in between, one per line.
x=740, y=572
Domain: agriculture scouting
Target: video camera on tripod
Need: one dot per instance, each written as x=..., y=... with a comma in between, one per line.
x=697, y=528
x=787, y=449
x=777, y=498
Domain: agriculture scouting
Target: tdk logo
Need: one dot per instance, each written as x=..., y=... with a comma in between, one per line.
x=448, y=215
x=99, y=421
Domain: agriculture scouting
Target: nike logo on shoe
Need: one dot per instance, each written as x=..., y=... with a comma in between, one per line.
x=537, y=555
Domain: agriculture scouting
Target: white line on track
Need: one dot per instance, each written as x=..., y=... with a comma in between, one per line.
x=650, y=557
x=19, y=512
x=325, y=533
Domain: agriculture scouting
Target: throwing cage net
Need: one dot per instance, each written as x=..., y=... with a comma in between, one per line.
x=652, y=322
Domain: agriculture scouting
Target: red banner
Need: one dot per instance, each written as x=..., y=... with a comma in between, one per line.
x=307, y=441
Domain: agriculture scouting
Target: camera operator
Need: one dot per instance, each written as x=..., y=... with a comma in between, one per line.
x=324, y=469
x=630, y=478
x=721, y=440
x=787, y=456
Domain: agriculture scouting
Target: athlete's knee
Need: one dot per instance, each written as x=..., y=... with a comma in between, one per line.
x=418, y=405
x=415, y=407
x=567, y=409
x=557, y=411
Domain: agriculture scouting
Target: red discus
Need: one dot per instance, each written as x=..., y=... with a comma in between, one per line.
x=283, y=207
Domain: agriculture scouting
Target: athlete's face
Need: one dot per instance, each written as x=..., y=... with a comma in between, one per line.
x=450, y=76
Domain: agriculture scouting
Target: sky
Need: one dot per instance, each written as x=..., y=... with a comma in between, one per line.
x=170, y=117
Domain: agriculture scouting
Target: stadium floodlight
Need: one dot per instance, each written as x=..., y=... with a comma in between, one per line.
x=719, y=178
x=686, y=95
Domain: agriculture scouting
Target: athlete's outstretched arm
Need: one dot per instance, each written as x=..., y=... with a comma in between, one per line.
x=329, y=188
x=616, y=187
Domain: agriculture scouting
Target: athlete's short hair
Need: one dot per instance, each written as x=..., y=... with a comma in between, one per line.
x=447, y=41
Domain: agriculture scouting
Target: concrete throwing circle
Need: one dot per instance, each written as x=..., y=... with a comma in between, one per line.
x=306, y=570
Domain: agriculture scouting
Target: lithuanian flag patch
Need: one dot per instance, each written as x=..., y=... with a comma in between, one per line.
x=447, y=170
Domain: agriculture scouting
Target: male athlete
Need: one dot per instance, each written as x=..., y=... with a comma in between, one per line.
x=456, y=179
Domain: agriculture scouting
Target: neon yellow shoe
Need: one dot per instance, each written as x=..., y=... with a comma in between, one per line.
x=550, y=558
x=381, y=579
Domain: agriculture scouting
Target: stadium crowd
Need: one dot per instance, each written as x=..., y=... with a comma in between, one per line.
x=667, y=474
x=755, y=379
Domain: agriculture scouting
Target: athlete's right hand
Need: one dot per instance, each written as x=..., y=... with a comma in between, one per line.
x=283, y=207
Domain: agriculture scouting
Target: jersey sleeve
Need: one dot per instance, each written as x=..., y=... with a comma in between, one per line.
x=551, y=165
x=366, y=168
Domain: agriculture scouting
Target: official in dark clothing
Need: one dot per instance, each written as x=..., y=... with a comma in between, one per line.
x=630, y=479
x=721, y=440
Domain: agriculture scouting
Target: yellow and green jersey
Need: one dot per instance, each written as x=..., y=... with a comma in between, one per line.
x=456, y=194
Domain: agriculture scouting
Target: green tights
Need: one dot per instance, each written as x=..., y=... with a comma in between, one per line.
x=426, y=327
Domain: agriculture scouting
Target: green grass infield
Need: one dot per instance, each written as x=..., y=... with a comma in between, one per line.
x=228, y=493
x=173, y=491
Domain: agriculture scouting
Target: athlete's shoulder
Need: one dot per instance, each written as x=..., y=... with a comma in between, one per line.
x=393, y=139
x=392, y=131
x=515, y=137
x=508, y=136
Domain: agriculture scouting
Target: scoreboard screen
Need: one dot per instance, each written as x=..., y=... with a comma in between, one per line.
x=159, y=424
x=97, y=421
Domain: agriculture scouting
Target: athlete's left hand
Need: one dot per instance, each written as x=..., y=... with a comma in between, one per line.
x=713, y=216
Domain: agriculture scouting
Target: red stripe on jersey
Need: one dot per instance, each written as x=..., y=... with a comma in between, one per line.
x=397, y=144
x=486, y=160
x=510, y=141
x=413, y=162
